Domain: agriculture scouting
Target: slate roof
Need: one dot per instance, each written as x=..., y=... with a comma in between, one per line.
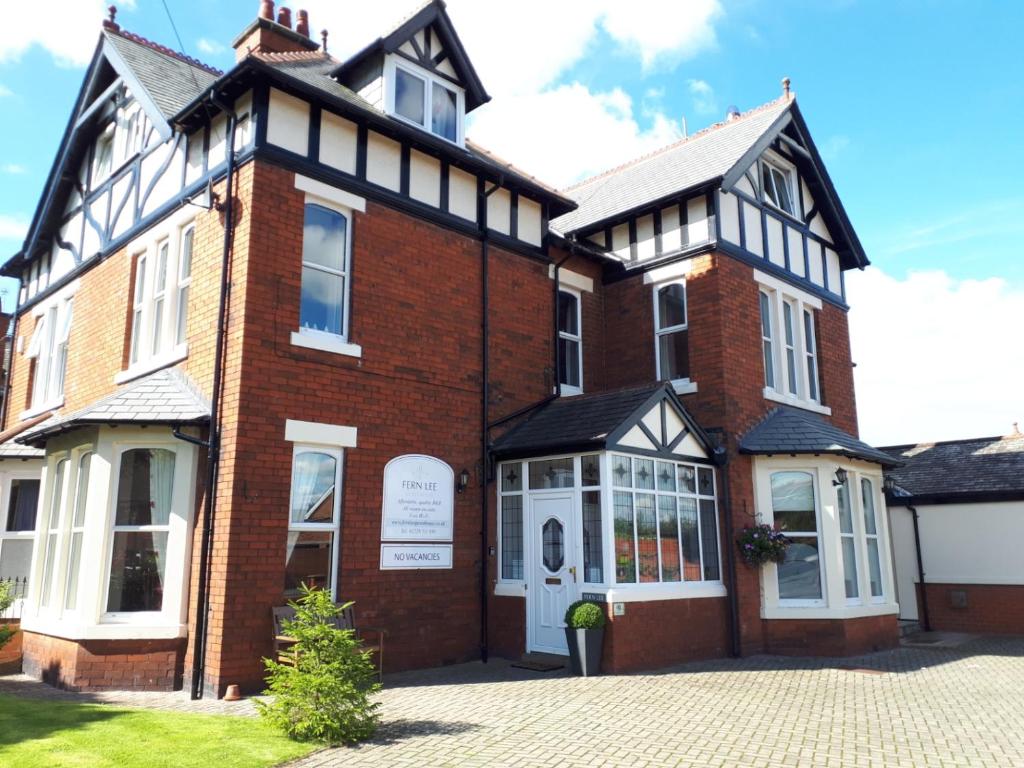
x=793, y=431
x=956, y=468
x=581, y=422
x=11, y=449
x=164, y=397
x=171, y=79
x=696, y=160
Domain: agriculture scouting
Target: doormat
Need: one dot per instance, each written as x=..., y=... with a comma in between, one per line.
x=537, y=666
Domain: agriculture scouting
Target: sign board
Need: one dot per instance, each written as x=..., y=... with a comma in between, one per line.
x=593, y=597
x=415, y=556
x=419, y=496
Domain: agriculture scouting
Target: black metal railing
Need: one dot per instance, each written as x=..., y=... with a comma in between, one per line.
x=19, y=591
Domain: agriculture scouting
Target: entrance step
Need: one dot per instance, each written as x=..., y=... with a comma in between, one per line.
x=909, y=627
x=541, y=662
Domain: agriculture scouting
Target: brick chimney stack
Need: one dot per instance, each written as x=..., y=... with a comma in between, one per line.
x=264, y=35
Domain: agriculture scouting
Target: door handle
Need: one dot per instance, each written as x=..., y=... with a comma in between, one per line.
x=572, y=570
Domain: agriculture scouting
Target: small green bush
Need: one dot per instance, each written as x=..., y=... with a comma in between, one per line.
x=6, y=600
x=325, y=695
x=584, y=615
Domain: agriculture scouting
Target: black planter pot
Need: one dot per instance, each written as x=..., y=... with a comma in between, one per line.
x=585, y=646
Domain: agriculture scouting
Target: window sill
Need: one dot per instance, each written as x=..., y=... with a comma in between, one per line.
x=796, y=402
x=176, y=355
x=645, y=593
x=570, y=391
x=326, y=343
x=684, y=386
x=41, y=409
x=73, y=630
x=509, y=589
x=824, y=612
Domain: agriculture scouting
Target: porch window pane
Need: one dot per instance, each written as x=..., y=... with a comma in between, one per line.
x=512, y=537
x=647, y=537
x=622, y=475
x=511, y=477
x=144, y=487
x=691, y=544
x=666, y=477
x=593, y=558
x=800, y=575
x=552, y=473
x=705, y=481
x=668, y=524
x=591, y=470
x=625, y=551
x=687, y=477
x=793, y=501
x=709, y=539
x=308, y=560
x=644, y=473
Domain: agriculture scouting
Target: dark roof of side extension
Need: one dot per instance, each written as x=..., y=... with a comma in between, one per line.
x=792, y=431
x=954, y=470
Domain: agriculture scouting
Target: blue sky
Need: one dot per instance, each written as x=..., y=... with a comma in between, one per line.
x=916, y=106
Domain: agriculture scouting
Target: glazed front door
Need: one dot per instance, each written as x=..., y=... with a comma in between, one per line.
x=551, y=585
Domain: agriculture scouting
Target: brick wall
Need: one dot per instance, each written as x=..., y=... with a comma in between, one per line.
x=831, y=637
x=995, y=608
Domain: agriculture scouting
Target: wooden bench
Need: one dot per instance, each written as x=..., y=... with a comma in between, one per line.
x=345, y=620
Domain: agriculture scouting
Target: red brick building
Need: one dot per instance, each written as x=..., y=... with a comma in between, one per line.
x=285, y=324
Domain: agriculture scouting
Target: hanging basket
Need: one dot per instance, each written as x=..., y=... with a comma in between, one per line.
x=760, y=544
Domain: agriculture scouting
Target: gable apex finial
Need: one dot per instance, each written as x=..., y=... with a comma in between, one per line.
x=785, y=88
x=110, y=22
x=323, y=36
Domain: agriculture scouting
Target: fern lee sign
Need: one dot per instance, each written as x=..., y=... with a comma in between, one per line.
x=419, y=500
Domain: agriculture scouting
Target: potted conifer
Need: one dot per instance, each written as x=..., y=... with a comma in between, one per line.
x=584, y=633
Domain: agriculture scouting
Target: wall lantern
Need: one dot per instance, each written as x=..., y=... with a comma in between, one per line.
x=463, y=480
x=888, y=484
x=840, y=477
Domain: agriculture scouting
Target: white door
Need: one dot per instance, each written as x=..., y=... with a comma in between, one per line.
x=551, y=583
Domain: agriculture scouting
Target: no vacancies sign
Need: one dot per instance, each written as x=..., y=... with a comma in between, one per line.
x=417, y=556
x=419, y=496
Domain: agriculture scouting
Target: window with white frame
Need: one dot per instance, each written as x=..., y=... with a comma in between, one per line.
x=141, y=531
x=48, y=347
x=314, y=517
x=871, y=540
x=570, y=343
x=510, y=525
x=848, y=542
x=671, y=332
x=325, y=271
x=791, y=370
x=160, y=290
x=665, y=521
x=77, y=531
x=17, y=531
x=426, y=100
x=777, y=184
x=795, y=513
x=51, y=539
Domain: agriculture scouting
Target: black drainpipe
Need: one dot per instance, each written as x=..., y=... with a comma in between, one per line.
x=925, y=621
x=484, y=408
x=722, y=459
x=213, y=451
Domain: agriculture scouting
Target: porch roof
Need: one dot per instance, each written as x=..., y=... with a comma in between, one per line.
x=164, y=397
x=792, y=431
x=635, y=419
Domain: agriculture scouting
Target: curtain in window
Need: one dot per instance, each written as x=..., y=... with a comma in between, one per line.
x=312, y=487
x=24, y=501
x=161, y=485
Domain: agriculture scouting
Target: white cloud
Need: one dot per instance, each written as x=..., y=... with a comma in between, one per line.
x=209, y=47
x=13, y=227
x=703, y=96
x=937, y=358
x=68, y=29
x=660, y=32
x=13, y=169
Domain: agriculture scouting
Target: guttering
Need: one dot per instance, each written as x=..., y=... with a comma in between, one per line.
x=925, y=620
x=213, y=450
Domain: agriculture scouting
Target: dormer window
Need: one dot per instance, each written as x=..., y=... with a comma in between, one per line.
x=777, y=183
x=426, y=100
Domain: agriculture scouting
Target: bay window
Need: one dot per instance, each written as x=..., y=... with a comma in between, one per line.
x=671, y=334
x=795, y=512
x=871, y=539
x=570, y=343
x=77, y=532
x=51, y=538
x=314, y=516
x=789, y=344
x=848, y=541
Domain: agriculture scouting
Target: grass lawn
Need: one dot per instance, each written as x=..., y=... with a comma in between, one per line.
x=58, y=734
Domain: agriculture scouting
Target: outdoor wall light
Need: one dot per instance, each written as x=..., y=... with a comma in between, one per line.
x=463, y=480
x=840, y=477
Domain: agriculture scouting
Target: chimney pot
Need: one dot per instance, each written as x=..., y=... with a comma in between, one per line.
x=284, y=17
x=302, y=24
x=267, y=10
x=110, y=23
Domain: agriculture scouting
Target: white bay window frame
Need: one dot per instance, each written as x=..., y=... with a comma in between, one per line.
x=157, y=292
x=792, y=373
x=834, y=603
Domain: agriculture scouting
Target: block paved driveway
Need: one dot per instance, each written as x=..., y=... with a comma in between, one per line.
x=914, y=706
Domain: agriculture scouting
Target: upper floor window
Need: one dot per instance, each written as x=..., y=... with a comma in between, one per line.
x=789, y=344
x=325, y=258
x=671, y=332
x=426, y=100
x=777, y=183
x=570, y=343
x=160, y=290
x=49, y=348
